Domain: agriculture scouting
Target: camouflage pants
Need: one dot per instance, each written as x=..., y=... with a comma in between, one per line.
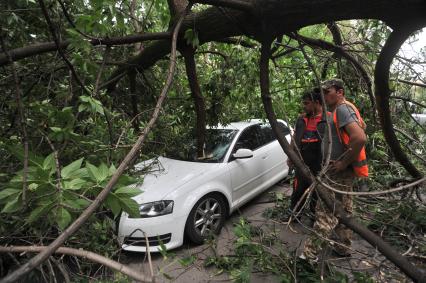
x=326, y=224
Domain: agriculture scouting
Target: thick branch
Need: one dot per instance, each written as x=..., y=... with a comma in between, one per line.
x=408, y=100
x=176, y=8
x=337, y=39
x=411, y=83
x=40, y=48
x=237, y=41
x=200, y=108
x=136, y=275
x=335, y=32
x=234, y=4
x=381, y=79
x=270, y=113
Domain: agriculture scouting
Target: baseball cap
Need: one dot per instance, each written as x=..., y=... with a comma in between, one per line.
x=337, y=83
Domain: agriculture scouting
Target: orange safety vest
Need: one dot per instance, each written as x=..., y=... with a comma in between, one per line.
x=360, y=165
x=313, y=133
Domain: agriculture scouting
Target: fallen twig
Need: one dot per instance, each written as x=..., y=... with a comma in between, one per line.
x=85, y=254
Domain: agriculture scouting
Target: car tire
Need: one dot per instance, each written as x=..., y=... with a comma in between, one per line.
x=206, y=218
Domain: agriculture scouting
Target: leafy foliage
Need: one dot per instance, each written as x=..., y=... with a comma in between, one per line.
x=402, y=224
x=255, y=252
x=62, y=194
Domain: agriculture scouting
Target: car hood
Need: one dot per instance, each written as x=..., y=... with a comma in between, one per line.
x=165, y=175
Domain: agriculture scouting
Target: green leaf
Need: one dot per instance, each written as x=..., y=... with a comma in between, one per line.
x=94, y=172
x=40, y=211
x=113, y=203
x=168, y=277
x=74, y=184
x=90, y=103
x=74, y=201
x=82, y=107
x=166, y=254
x=70, y=168
x=130, y=206
x=17, y=150
x=126, y=180
x=191, y=37
x=33, y=186
x=63, y=218
x=99, y=109
x=79, y=173
x=103, y=172
x=128, y=191
x=49, y=162
x=56, y=129
x=13, y=205
x=77, y=204
x=73, y=33
x=8, y=192
x=83, y=203
x=187, y=261
x=84, y=98
x=112, y=169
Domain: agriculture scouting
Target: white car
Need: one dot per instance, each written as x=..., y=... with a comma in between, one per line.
x=193, y=196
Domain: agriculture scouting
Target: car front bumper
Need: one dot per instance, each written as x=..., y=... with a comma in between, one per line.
x=165, y=229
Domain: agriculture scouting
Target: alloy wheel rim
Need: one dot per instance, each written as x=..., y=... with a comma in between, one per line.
x=207, y=217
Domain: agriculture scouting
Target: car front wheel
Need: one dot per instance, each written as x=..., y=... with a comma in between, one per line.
x=206, y=218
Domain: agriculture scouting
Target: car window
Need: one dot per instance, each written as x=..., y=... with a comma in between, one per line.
x=268, y=135
x=283, y=128
x=216, y=145
x=250, y=138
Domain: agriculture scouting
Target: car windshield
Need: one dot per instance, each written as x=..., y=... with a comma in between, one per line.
x=215, y=147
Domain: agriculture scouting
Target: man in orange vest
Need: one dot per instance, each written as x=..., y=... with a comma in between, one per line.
x=309, y=128
x=348, y=161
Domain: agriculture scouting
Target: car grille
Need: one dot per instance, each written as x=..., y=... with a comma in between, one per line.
x=153, y=241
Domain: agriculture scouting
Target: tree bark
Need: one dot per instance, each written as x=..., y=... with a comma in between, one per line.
x=337, y=39
x=40, y=48
x=382, y=92
x=200, y=108
x=136, y=275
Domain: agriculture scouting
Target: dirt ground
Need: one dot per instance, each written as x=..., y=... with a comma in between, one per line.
x=364, y=259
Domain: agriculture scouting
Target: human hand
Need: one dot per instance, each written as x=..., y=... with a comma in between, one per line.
x=337, y=166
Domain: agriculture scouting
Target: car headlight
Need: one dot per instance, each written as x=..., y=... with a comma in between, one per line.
x=156, y=208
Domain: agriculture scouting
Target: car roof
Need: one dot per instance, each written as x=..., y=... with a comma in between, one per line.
x=239, y=125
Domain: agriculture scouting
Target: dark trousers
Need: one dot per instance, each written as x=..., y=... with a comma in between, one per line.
x=311, y=154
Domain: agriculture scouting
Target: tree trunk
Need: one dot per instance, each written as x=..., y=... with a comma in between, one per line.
x=200, y=108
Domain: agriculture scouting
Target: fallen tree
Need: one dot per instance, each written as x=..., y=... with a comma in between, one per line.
x=262, y=20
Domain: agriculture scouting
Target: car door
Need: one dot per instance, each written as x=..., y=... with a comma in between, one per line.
x=276, y=161
x=246, y=173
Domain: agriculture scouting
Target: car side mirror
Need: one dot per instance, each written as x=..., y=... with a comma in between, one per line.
x=243, y=153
